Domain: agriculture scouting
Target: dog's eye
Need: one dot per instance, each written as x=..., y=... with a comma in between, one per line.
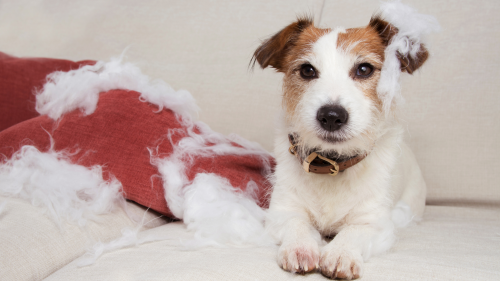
x=364, y=70
x=307, y=71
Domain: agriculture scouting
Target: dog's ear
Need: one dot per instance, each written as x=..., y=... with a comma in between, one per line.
x=386, y=31
x=273, y=51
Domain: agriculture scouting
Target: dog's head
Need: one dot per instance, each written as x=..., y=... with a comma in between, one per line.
x=331, y=77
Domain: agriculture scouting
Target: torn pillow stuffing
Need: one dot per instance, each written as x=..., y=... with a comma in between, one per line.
x=128, y=137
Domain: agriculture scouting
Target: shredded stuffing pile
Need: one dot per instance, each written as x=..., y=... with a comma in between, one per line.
x=66, y=191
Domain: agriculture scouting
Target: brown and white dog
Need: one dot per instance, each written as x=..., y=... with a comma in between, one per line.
x=334, y=106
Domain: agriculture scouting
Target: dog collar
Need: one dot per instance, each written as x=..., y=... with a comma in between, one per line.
x=318, y=164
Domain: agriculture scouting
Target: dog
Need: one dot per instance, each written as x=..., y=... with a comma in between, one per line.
x=343, y=170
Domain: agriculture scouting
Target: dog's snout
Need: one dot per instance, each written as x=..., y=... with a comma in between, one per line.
x=332, y=117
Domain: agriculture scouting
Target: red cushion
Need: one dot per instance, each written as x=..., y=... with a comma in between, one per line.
x=19, y=77
x=117, y=136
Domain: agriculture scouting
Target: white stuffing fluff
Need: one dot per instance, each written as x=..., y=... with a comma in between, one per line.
x=207, y=144
x=130, y=237
x=412, y=28
x=79, y=89
x=217, y=212
x=64, y=190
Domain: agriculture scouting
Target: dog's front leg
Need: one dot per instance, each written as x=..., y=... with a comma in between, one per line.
x=299, y=249
x=342, y=258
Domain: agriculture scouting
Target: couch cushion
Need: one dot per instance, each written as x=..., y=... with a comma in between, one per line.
x=451, y=243
x=33, y=245
x=19, y=79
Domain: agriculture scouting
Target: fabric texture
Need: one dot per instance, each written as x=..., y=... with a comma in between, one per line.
x=19, y=79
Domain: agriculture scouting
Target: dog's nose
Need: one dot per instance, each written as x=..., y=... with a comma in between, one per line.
x=332, y=117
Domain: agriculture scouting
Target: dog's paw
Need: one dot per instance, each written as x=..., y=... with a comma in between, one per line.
x=299, y=257
x=340, y=263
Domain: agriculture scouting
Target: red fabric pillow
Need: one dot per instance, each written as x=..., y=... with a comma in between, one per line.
x=19, y=77
x=117, y=136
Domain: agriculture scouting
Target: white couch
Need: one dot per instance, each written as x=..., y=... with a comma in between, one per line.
x=452, y=114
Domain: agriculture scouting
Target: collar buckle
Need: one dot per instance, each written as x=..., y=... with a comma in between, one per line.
x=334, y=170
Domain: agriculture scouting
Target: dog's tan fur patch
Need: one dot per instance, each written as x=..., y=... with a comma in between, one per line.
x=293, y=84
x=366, y=46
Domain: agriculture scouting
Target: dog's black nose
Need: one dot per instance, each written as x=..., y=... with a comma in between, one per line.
x=332, y=117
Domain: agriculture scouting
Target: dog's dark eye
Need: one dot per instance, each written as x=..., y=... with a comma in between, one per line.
x=307, y=71
x=364, y=70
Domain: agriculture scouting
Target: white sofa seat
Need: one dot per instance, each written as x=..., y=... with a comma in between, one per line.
x=451, y=243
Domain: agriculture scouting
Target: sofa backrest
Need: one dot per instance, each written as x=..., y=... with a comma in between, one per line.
x=205, y=47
